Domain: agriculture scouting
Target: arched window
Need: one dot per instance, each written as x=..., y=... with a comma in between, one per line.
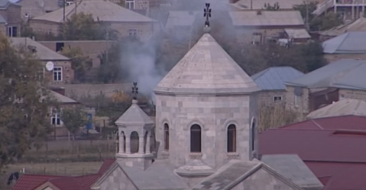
x=196, y=142
x=145, y=140
x=253, y=134
x=134, y=142
x=124, y=141
x=231, y=138
x=166, y=136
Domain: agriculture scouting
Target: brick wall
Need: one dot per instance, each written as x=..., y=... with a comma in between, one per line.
x=92, y=49
x=67, y=73
x=352, y=94
x=336, y=57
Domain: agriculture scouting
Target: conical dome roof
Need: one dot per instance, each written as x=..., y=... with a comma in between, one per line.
x=206, y=69
x=134, y=116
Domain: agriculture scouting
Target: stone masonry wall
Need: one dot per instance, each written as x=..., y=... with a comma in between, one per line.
x=214, y=114
x=267, y=97
x=352, y=94
x=335, y=57
x=302, y=105
x=67, y=73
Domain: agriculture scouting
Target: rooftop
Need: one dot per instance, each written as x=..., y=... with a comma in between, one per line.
x=259, y=4
x=297, y=33
x=62, y=99
x=340, y=108
x=344, y=73
x=5, y=3
x=266, y=18
x=42, y=52
x=100, y=10
x=357, y=25
x=274, y=78
x=348, y=43
x=134, y=115
x=207, y=68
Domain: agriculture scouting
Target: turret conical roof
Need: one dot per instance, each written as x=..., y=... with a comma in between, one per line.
x=134, y=116
x=206, y=69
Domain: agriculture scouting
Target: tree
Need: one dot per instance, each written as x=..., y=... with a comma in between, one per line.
x=80, y=63
x=110, y=69
x=24, y=102
x=269, y=7
x=73, y=119
x=82, y=27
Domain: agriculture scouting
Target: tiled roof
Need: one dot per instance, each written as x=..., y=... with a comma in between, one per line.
x=348, y=122
x=206, y=69
x=315, y=145
x=75, y=183
x=100, y=10
x=274, y=78
x=266, y=18
x=31, y=181
x=42, y=52
x=344, y=73
x=348, y=43
x=340, y=108
x=106, y=165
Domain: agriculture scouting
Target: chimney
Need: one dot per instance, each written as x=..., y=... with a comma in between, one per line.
x=259, y=12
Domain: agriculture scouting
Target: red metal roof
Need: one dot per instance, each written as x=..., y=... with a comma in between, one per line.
x=315, y=145
x=339, y=122
x=32, y=181
x=340, y=176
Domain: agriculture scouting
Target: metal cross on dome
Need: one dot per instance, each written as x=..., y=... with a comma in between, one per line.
x=207, y=14
x=135, y=90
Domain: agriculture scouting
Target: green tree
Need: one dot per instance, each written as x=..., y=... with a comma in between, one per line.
x=110, y=69
x=26, y=30
x=73, y=119
x=80, y=63
x=82, y=27
x=326, y=22
x=24, y=102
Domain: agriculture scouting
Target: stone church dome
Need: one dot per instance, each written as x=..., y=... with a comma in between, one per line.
x=207, y=69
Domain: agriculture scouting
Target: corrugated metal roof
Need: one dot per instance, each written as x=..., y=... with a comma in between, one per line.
x=180, y=18
x=274, y=78
x=100, y=10
x=348, y=43
x=297, y=33
x=266, y=18
x=357, y=25
x=43, y=53
x=349, y=72
x=342, y=107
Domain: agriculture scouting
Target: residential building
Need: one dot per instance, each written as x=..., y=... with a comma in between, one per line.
x=358, y=25
x=10, y=18
x=239, y=5
x=340, y=108
x=330, y=147
x=206, y=133
x=272, y=83
x=62, y=73
x=90, y=48
x=340, y=79
x=126, y=22
x=180, y=25
x=348, y=9
x=350, y=45
x=260, y=26
x=34, y=8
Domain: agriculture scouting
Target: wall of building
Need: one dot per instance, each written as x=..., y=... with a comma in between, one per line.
x=12, y=15
x=45, y=27
x=67, y=73
x=92, y=49
x=299, y=104
x=214, y=114
x=267, y=97
x=61, y=130
x=335, y=57
x=352, y=94
x=3, y=28
x=264, y=181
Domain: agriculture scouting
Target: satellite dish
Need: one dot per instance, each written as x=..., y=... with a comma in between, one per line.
x=50, y=66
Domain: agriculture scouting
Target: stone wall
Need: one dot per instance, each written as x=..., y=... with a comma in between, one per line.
x=12, y=15
x=67, y=73
x=214, y=114
x=297, y=103
x=352, y=94
x=267, y=97
x=45, y=27
x=335, y=57
x=92, y=49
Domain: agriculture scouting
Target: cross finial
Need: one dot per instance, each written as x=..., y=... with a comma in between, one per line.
x=135, y=90
x=207, y=14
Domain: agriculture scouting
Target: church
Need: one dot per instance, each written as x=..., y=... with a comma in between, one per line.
x=204, y=136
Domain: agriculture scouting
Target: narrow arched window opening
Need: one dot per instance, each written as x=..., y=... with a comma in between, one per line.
x=231, y=138
x=124, y=141
x=253, y=136
x=145, y=141
x=166, y=136
x=134, y=142
x=196, y=142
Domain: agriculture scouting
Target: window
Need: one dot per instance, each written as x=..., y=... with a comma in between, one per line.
x=166, y=136
x=12, y=31
x=253, y=134
x=277, y=98
x=132, y=32
x=231, y=138
x=124, y=142
x=57, y=74
x=59, y=46
x=134, y=142
x=56, y=119
x=195, y=138
x=130, y=4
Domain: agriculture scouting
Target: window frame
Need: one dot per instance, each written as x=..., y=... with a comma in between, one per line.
x=195, y=137
x=57, y=74
x=231, y=139
x=166, y=137
x=280, y=98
